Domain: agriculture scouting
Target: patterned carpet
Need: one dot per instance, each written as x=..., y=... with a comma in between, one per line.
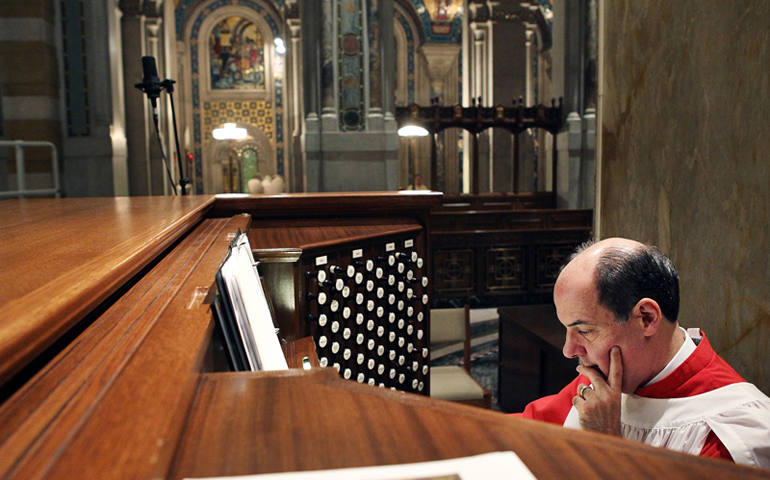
x=484, y=355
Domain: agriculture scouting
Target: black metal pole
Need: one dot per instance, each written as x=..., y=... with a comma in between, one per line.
x=183, y=180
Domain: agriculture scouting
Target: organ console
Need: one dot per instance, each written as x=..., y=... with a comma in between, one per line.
x=344, y=285
x=107, y=358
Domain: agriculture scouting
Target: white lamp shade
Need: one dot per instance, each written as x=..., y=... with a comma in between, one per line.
x=230, y=132
x=412, y=131
x=279, y=46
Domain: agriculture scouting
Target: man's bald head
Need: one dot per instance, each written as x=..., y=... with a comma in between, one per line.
x=622, y=272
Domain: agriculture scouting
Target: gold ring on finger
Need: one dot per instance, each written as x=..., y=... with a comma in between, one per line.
x=582, y=390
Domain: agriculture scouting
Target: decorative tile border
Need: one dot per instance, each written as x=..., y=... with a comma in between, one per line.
x=351, y=65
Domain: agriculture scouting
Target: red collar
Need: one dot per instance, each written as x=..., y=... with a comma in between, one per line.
x=703, y=371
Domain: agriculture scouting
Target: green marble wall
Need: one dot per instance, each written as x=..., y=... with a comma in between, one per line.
x=686, y=158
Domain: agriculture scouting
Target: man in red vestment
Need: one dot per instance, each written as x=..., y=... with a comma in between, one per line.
x=642, y=376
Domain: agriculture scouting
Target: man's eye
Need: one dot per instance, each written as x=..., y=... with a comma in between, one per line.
x=583, y=332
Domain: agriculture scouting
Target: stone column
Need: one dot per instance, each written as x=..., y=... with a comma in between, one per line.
x=296, y=182
x=479, y=57
x=312, y=31
x=137, y=138
x=588, y=172
x=482, y=154
x=355, y=145
x=310, y=26
x=375, y=64
x=159, y=182
x=118, y=110
x=388, y=53
x=444, y=75
x=529, y=98
x=328, y=104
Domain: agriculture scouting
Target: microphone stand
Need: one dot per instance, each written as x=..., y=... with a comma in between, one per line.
x=153, y=89
x=168, y=84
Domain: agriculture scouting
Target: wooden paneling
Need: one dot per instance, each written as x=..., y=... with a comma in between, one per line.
x=314, y=235
x=513, y=220
x=502, y=256
x=313, y=205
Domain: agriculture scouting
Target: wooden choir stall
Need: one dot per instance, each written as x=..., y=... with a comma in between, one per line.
x=111, y=367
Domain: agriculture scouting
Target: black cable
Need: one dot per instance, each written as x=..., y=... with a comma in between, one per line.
x=183, y=180
x=162, y=154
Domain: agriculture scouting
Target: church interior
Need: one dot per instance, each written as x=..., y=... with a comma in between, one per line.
x=136, y=135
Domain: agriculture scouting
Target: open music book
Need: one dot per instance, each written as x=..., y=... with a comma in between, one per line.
x=242, y=311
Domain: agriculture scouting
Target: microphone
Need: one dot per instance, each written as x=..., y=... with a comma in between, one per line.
x=151, y=84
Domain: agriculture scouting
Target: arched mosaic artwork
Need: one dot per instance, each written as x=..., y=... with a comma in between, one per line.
x=234, y=111
x=236, y=55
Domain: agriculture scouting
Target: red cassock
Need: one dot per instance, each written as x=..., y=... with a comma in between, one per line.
x=703, y=387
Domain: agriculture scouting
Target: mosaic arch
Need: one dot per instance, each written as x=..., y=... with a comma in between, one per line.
x=219, y=112
x=182, y=7
x=441, y=19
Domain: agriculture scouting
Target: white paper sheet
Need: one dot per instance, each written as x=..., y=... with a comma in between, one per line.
x=252, y=313
x=488, y=466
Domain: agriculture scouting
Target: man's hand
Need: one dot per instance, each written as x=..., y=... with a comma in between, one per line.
x=599, y=407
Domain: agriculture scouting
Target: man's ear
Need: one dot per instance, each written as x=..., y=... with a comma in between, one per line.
x=648, y=311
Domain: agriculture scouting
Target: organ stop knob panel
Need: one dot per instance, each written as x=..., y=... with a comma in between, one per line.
x=366, y=307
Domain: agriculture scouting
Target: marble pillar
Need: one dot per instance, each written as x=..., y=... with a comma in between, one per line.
x=296, y=163
x=133, y=31
x=685, y=158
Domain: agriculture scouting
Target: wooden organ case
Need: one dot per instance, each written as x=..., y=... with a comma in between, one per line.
x=132, y=393
x=354, y=278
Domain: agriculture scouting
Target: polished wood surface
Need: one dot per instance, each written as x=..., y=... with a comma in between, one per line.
x=539, y=322
x=118, y=396
x=312, y=235
x=295, y=421
x=62, y=257
x=532, y=364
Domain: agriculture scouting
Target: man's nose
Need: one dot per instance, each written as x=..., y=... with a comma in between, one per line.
x=572, y=348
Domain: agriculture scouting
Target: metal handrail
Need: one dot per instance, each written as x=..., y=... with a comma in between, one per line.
x=21, y=185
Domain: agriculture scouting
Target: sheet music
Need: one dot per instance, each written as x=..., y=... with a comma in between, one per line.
x=255, y=324
x=488, y=466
